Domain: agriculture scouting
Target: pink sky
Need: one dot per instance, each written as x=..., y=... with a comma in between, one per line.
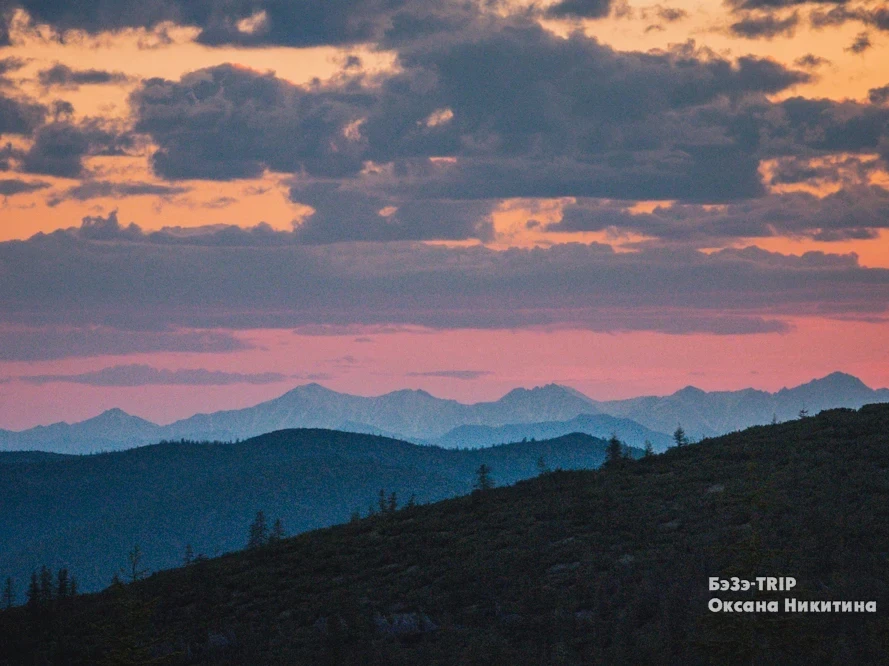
x=603, y=366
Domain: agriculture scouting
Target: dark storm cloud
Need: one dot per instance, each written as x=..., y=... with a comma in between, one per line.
x=7, y=65
x=579, y=9
x=145, y=375
x=60, y=147
x=767, y=26
x=63, y=76
x=298, y=23
x=848, y=214
x=878, y=95
x=342, y=215
x=777, y=4
x=64, y=279
x=229, y=122
x=545, y=116
x=876, y=18
x=12, y=186
x=19, y=116
x=94, y=189
x=50, y=342
x=850, y=170
x=800, y=126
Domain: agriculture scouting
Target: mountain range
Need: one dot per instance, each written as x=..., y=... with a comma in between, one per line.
x=417, y=416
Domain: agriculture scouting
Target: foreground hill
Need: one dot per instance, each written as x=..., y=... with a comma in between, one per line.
x=87, y=512
x=595, y=567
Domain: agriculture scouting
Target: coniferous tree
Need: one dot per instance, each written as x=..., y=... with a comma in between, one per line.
x=649, y=449
x=392, y=503
x=679, y=437
x=483, y=479
x=259, y=531
x=8, y=593
x=34, y=590
x=277, y=532
x=614, y=454
x=542, y=467
x=188, y=558
x=45, y=585
x=134, y=569
x=382, y=504
x=63, y=588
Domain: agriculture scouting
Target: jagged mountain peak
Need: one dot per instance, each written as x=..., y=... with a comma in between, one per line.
x=689, y=392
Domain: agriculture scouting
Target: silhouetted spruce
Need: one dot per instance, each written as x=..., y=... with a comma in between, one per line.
x=259, y=533
x=8, y=593
x=483, y=478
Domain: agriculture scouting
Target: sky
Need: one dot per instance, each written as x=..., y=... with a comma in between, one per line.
x=205, y=203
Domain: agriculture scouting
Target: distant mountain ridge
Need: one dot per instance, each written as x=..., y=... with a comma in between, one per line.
x=418, y=416
x=704, y=414
x=407, y=414
x=597, y=425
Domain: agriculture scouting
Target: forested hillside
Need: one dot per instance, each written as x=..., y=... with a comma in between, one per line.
x=85, y=513
x=586, y=567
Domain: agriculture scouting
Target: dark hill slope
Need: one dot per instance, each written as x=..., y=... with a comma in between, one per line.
x=604, y=567
x=87, y=512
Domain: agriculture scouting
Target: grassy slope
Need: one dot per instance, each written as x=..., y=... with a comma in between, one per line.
x=572, y=567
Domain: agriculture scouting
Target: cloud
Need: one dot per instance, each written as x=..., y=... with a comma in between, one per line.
x=766, y=26
x=800, y=126
x=50, y=342
x=546, y=116
x=296, y=23
x=145, y=283
x=12, y=186
x=95, y=189
x=7, y=65
x=842, y=14
x=810, y=61
x=879, y=95
x=61, y=75
x=671, y=14
x=579, y=9
x=59, y=147
x=854, y=212
x=19, y=116
x=227, y=122
x=861, y=44
x=453, y=374
x=342, y=214
x=741, y=5
x=144, y=375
